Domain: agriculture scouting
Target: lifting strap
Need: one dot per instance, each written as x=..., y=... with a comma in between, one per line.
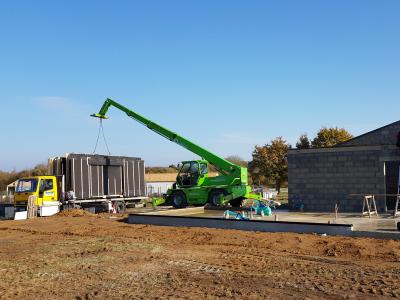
x=101, y=130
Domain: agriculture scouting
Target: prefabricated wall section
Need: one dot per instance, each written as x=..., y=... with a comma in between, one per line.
x=98, y=176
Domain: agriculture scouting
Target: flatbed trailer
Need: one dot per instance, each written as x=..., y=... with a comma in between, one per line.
x=101, y=182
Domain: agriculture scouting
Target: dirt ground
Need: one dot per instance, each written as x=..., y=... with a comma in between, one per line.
x=98, y=257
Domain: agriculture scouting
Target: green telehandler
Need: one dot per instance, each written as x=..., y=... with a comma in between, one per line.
x=193, y=185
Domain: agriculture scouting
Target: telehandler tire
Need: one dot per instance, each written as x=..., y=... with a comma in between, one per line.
x=214, y=195
x=178, y=199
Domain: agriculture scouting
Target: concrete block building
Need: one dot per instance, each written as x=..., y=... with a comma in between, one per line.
x=319, y=178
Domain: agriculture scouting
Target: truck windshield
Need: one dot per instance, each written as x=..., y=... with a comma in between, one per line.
x=26, y=185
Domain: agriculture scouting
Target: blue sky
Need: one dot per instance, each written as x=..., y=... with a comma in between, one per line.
x=226, y=74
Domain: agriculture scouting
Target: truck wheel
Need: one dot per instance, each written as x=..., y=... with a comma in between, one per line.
x=120, y=206
x=178, y=199
x=213, y=197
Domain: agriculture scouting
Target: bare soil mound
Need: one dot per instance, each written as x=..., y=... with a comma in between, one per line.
x=82, y=256
x=75, y=213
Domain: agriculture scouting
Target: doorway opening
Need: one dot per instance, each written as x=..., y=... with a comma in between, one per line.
x=392, y=182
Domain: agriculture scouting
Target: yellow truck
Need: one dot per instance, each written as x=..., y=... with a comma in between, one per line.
x=95, y=182
x=42, y=188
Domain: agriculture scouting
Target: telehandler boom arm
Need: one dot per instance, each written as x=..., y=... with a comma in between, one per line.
x=221, y=164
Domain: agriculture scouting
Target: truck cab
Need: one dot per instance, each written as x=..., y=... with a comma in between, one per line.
x=44, y=188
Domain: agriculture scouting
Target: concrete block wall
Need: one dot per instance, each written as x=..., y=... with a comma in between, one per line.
x=321, y=179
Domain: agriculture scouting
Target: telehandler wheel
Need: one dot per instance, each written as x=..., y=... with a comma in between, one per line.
x=120, y=206
x=214, y=195
x=178, y=199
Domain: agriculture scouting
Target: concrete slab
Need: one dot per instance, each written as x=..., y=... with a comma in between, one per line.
x=383, y=222
x=179, y=212
x=382, y=226
x=247, y=225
